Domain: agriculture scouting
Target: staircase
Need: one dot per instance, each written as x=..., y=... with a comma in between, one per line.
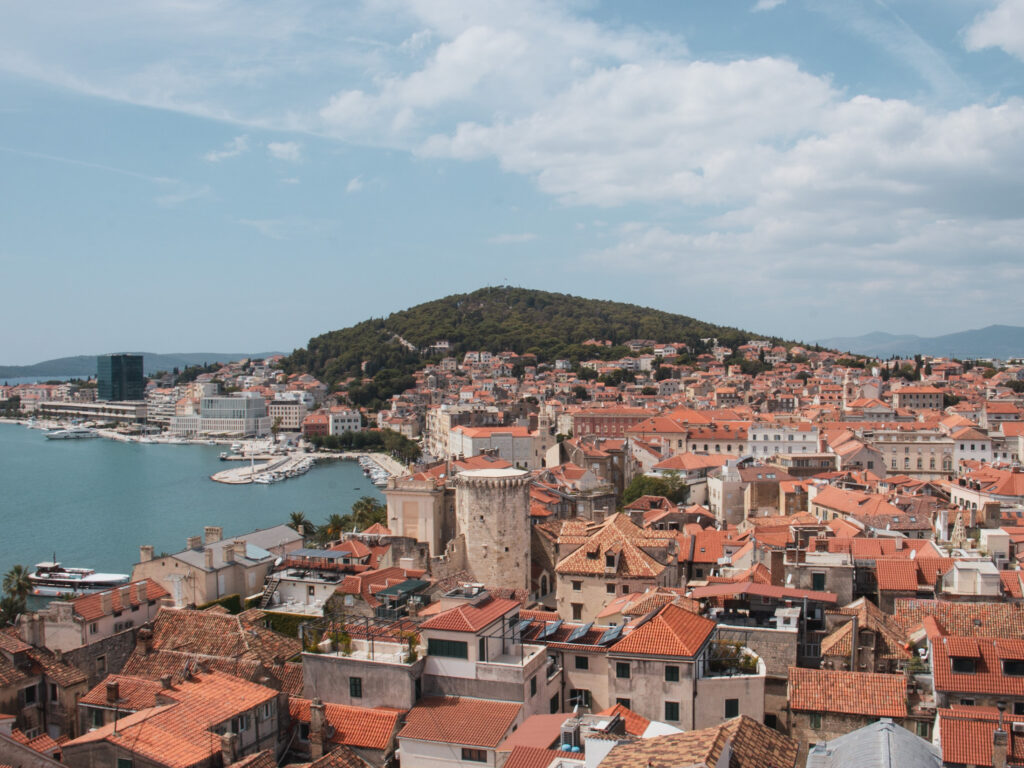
x=270, y=589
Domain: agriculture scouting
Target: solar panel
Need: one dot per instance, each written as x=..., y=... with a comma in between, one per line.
x=579, y=632
x=549, y=629
x=522, y=626
x=611, y=634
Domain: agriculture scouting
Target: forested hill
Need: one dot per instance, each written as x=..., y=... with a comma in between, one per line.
x=549, y=325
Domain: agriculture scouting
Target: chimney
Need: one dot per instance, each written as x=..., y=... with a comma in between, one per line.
x=113, y=692
x=165, y=682
x=239, y=546
x=316, y=729
x=140, y=591
x=145, y=553
x=193, y=542
x=143, y=640
x=228, y=748
x=126, y=597
x=213, y=533
x=209, y=558
x=107, y=602
x=229, y=553
x=1000, y=739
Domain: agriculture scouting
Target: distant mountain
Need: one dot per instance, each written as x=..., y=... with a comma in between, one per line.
x=999, y=341
x=83, y=366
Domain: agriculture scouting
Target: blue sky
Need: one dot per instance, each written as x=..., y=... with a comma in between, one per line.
x=185, y=175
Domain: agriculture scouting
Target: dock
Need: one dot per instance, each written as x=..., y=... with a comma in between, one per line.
x=250, y=472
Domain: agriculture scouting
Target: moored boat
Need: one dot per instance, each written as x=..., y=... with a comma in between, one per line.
x=72, y=433
x=52, y=580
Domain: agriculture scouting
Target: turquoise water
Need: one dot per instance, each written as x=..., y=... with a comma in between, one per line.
x=93, y=502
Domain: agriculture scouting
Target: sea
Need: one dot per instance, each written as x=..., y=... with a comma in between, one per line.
x=91, y=503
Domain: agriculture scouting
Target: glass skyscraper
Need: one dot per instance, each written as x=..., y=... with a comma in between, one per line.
x=119, y=377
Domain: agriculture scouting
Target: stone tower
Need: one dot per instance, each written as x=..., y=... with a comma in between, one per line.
x=492, y=512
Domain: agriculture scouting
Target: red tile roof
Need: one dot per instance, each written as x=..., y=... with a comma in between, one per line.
x=90, y=607
x=361, y=727
x=460, y=720
x=988, y=655
x=635, y=724
x=674, y=631
x=870, y=694
x=967, y=736
x=471, y=618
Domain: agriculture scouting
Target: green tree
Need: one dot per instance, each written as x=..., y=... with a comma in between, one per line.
x=335, y=526
x=299, y=518
x=365, y=512
x=17, y=582
x=670, y=486
x=10, y=607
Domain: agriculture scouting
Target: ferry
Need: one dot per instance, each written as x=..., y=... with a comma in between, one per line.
x=53, y=580
x=72, y=433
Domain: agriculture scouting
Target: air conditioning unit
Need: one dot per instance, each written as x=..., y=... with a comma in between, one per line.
x=1018, y=729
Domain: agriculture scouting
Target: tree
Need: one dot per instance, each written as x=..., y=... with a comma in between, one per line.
x=366, y=512
x=334, y=527
x=299, y=518
x=580, y=393
x=276, y=426
x=10, y=607
x=17, y=582
x=670, y=486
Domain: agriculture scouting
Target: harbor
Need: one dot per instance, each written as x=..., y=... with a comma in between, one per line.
x=102, y=497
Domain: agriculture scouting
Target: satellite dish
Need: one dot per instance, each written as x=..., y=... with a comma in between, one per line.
x=278, y=562
x=329, y=731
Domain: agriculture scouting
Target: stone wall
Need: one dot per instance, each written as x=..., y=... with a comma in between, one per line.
x=492, y=513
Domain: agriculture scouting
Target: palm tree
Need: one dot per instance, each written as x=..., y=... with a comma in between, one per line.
x=17, y=583
x=10, y=607
x=335, y=526
x=299, y=518
x=368, y=511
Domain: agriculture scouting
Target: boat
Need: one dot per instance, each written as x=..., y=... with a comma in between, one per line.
x=53, y=580
x=72, y=433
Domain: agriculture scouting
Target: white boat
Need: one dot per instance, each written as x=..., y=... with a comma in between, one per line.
x=53, y=580
x=72, y=433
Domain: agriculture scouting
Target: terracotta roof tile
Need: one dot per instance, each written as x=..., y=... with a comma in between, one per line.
x=674, y=631
x=471, y=618
x=360, y=727
x=870, y=694
x=460, y=720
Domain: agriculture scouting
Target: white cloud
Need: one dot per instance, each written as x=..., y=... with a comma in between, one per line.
x=237, y=146
x=182, y=194
x=290, y=180
x=767, y=5
x=354, y=184
x=511, y=239
x=285, y=150
x=1001, y=27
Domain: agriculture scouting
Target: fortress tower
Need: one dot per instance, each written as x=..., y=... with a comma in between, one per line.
x=492, y=512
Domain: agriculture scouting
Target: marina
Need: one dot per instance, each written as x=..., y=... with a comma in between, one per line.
x=94, y=501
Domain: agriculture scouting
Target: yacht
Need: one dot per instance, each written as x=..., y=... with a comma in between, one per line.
x=72, y=433
x=52, y=580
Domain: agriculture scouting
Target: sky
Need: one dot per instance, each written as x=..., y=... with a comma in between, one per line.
x=220, y=175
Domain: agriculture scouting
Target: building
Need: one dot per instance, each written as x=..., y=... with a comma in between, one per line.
x=211, y=567
x=120, y=377
x=286, y=415
x=344, y=420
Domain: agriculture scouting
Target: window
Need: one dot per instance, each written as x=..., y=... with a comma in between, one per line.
x=124, y=762
x=451, y=648
x=101, y=665
x=818, y=582
x=816, y=720
x=672, y=711
x=96, y=718
x=963, y=666
x=1018, y=707
x=474, y=755
x=311, y=590
x=622, y=669
x=240, y=724
x=481, y=650
x=609, y=561
x=923, y=730
x=267, y=710
x=579, y=696
x=582, y=662
x=967, y=702
x=554, y=705
x=303, y=731
x=94, y=628
x=355, y=687
x=53, y=691
x=577, y=586
x=609, y=588
x=533, y=685
x=624, y=702
x=577, y=611
x=732, y=708
x=671, y=673
x=29, y=695
x=1013, y=667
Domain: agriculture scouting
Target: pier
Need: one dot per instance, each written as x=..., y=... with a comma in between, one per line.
x=251, y=473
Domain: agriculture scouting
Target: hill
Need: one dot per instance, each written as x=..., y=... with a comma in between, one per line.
x=548, y=325
x=998, y=341
x=83, y=366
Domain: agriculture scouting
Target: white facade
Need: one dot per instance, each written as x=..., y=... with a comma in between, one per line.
x=768, y=438
x=345, y=420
